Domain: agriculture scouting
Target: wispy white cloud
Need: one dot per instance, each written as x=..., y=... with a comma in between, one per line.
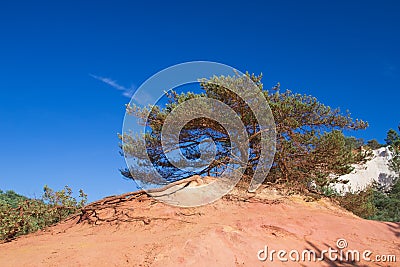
x=126, y=91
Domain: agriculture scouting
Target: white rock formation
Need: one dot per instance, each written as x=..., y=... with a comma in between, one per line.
x=375, y=169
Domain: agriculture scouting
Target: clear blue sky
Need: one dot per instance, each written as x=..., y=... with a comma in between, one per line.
x=59, y=124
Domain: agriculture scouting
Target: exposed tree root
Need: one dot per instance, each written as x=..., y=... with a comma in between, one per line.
x=91, y=213
x=108, y=210
x=253, y=199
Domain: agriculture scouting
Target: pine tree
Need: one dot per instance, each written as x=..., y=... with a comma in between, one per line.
x=392, y=138
x=310, y=144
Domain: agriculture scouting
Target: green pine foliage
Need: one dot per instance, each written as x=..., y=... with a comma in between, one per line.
x=310, y=145
x=387, y=204
x=311, y=148
x=393, y=140
x=374, y=144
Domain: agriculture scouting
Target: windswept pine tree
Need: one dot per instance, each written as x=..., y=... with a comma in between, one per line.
x=310, y=145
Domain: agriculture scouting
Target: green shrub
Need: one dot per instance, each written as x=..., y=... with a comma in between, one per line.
x=373, y=203
x=387, y=204
x=11, y=198
x=30, y=215
x=328, y=191
x=361, y=202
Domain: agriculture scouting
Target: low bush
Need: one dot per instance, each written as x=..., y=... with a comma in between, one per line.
x=361, y=202
x=20, y=215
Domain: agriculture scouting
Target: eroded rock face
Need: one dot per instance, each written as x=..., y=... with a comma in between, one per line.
x=376, y=169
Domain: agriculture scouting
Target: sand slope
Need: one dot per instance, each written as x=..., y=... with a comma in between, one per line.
x=225, y=233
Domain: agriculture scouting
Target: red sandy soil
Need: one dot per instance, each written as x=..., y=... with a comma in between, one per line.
x=224, y=233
